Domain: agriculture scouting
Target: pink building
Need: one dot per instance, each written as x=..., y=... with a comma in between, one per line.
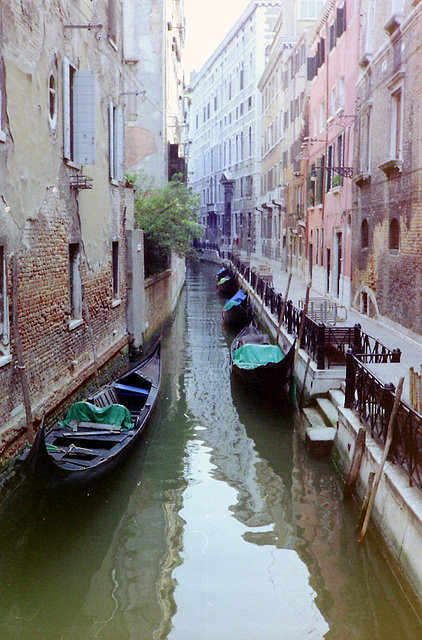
x=332, y=70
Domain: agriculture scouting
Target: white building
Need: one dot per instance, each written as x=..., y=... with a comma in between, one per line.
x=225, y=128
x=154, y=114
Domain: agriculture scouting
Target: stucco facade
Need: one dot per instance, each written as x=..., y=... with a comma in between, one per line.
x=154, y=93
x=283, y=86
x=64, y=209
x=333, y=65
x=225, y=130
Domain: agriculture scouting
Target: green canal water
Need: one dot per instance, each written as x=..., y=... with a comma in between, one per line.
x=220, y=527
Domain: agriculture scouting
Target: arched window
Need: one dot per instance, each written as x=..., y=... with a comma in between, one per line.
x=394, y=238
x=52, y=101
x=364, y=234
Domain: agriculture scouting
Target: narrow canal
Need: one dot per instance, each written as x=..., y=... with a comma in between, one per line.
x=221, y=527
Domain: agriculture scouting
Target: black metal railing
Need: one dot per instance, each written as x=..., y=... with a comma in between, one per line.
x=325, y=343
x=373, y=402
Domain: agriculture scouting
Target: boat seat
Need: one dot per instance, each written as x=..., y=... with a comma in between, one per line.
x=131, y=390
x=104, y=397
x=261, y=339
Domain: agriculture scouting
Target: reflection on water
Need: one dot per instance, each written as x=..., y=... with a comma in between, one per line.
x=221, y=526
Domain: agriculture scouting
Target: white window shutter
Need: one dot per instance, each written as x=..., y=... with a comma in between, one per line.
x=66, y=109
x=111, y=138
x=119, y=146
x=84, y=122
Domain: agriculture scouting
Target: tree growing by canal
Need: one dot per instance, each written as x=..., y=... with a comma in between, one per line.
x=168, y=215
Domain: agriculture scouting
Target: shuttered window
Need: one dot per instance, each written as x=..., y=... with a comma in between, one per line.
x=116, y=143
x=79, y=123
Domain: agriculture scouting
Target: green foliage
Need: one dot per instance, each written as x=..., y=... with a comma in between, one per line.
x=167, y=214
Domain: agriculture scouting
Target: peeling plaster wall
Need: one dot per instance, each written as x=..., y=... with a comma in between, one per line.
x=144, y=135
x=40, y=214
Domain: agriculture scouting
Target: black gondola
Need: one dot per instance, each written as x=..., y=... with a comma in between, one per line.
x=238, y=311
x=259, y=365
x=226, y=282
x=95, y=436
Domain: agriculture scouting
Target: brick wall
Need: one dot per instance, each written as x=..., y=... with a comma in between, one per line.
x=394, y=277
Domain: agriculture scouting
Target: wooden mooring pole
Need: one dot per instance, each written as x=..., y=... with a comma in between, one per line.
x=19, y=355
x=383, y=458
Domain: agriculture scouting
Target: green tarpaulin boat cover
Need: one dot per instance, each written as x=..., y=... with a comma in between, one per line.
x=250, y=356
x=223, y=280
x=112, y=414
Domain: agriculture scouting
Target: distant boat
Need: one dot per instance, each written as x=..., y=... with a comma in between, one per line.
x=237, y=311
x=259, y=365
x=95, y=436
x=226, y=282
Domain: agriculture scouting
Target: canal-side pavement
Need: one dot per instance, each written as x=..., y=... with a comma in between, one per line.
x=393, y=337
x=397, y=508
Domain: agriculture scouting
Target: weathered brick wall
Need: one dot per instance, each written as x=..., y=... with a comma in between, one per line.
x=58, y=359
x=393, y=277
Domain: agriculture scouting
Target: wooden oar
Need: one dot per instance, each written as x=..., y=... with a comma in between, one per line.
x=283, y=308
x=383, y=458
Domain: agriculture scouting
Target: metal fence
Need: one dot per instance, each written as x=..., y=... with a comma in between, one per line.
x=325, y=343
x=373, y=401
x=368, y=396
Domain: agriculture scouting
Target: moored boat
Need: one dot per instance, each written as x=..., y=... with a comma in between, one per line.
x=95, y=436
x=259, y=365
x=226, y=282
x=238, y=311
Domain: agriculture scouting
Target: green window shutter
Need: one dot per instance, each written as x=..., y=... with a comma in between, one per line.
x=111, y=138
x=66, y=109
x=119, y=133
x=84, y=121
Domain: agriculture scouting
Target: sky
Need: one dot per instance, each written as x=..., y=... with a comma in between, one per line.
x=207, y=24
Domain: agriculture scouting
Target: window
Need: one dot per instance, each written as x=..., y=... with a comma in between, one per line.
x=394, y=236
x=4, y=306
x=115, y=269
x=333, y=102
x=396, y=125
x=322, y=115
x=75, y=282
x=116, y=138
x=310, y=9
x=364, y=239
x=112, y=19
x=79, y=127
x=365, y=146
x=52, y=100
x=330, y=163
x=342, y=93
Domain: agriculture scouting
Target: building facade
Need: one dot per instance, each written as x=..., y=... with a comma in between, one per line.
x=387, y=267
x=225, y=130
x=332, y=68
x=155, y=87
x=283, y=86
x=72, y=295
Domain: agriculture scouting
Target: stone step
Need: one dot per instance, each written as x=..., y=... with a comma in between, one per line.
x=337, y=397
x=318, y=437
x=328, y=411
